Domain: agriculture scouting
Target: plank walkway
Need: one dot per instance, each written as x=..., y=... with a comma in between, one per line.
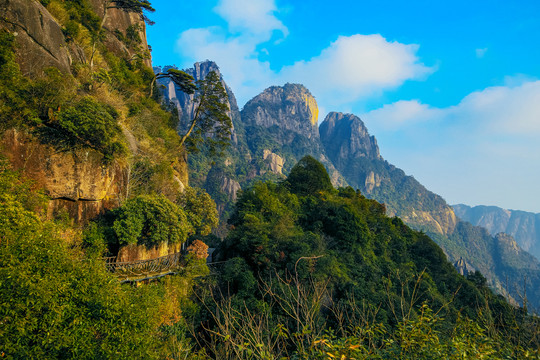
x=146, y=270
x=142, y=270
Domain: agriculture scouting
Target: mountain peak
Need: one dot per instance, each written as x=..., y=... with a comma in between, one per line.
x=290, y=106
x=345, y=136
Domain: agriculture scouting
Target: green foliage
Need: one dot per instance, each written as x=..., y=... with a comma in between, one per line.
x=54, y=303
x=20, y=189
x=319, y=261
x=14, y=111
x=86, y=124
x=200, y=210
x=94, y=241
x=81, y=11
x=183, y=80
x=308, y=177
x=132, y=6
x=150, y=220
x=71, y=30
x=211, y=123
x=133, y=38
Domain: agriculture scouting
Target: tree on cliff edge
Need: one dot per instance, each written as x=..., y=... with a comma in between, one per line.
x=130, y=6
x=211, y=124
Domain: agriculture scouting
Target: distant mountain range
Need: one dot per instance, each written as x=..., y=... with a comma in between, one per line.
x=521, y=225
x=278, y=127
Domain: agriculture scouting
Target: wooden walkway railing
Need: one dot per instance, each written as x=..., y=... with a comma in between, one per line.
x=141, y=270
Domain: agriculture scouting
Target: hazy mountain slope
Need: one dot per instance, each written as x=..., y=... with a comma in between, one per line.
x=278, y=127
x=523, y=226
x=356, y=155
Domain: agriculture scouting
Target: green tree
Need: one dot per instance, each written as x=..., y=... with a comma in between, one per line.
x=180, y=78
x=200, y=210
x=211, y=122
x=150, y=220
x=309, y=177
x=130, y=6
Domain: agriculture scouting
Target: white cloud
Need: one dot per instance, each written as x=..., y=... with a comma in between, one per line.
x=403, y=113
x=481, y=52
x=484, y=150
x=349, y=68
x=235, y=56
x=253, y=16
x=357, y=65
x=499, y=110
x=508, y=110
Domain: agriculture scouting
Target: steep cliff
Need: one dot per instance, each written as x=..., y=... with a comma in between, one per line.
x=356, y=155
x=41, y=42
x=75, y=114
x=291, y=108
x=185, y=103
x=283, y=120
x=76, y=181
x=523, y=226
x=43, y=39
x=353, y=138
x=125, y=33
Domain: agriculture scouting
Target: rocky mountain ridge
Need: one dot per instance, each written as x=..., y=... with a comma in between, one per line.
x=277, y=127
x=523, y=226
x=56, y=39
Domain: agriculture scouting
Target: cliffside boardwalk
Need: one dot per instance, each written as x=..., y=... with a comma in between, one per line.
x=146, y=270
x=142, y=270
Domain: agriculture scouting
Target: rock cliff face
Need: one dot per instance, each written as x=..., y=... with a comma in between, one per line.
x=39, y=37
x=523, y=226
x=462, y=267
x=291, y=108
x=274, y=161
x=119, y=21
x=76, y=181
x=283, y=120
x=184, y=102
x=356, y=156
x=41, y=42
x=135, y=252
x=354, y=140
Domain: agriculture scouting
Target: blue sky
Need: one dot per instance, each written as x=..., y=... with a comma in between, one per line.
x=449, y=88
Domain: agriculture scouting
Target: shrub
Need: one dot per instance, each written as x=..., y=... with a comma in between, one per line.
x=200, y=210
x=87, y=124
x=150, y=220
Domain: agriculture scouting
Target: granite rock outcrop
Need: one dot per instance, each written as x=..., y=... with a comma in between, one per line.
x=523, y=226
x=77, y=182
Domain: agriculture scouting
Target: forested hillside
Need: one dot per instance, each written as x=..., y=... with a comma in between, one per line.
x=94, y=178
x=277, y=128
x=317, y=272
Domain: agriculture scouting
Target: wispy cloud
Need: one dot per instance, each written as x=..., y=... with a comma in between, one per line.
x=349, y=68
x=484, y=150
x=253, y=16
x=481, y=52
